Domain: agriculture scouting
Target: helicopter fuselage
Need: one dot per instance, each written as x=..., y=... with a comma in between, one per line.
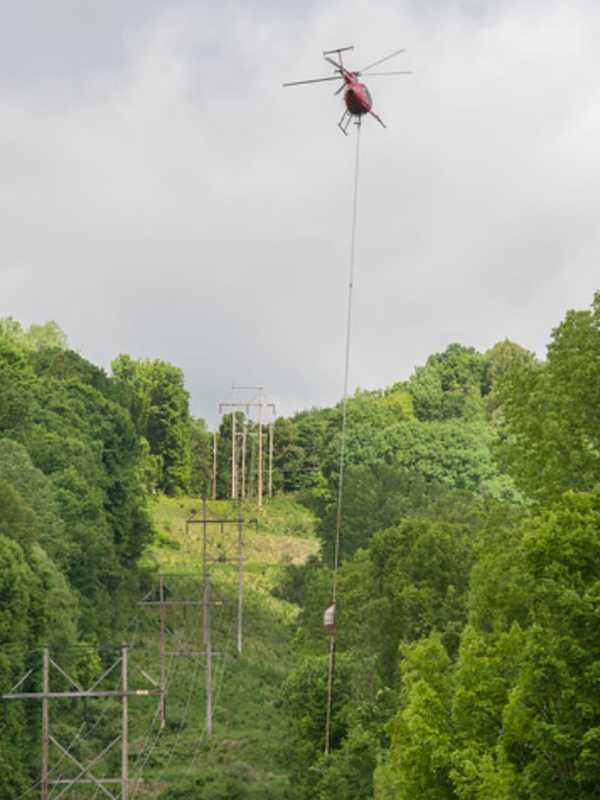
x=357, y=97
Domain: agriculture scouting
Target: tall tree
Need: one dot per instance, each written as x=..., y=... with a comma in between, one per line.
x=551, y=410
x=153, y=391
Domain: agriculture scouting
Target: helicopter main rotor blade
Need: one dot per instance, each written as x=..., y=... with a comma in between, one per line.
x=381, y=60
x=313, y=80
x=396, y=72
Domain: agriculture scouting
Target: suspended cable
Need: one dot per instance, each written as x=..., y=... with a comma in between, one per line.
x=340, y=494
x=145, y=754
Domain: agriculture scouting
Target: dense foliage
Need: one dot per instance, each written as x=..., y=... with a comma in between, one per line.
x=468, y=612
x=468, y=605
x=74, y=465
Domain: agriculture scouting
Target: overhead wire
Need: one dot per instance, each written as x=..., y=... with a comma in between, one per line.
x=186, y=712
x=136, y=620
x=176, y=739
x=340, y=493
x=149, y=749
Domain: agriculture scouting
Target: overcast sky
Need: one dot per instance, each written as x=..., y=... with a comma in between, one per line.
x=162, y=195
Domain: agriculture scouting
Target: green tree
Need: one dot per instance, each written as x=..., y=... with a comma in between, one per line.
x=16, y=382
x=551, y=411
x=36, y=337
x=420, y=758
x=304, y=700
x=16, y=581
x=376, y=497
x=348, y=773
x=201, y=458
x=48, y=335
x=413, y=580
x=16, y=518
x=44, y=524
x=552, y=719
x=503, y=358
x=450, y=385
x=484, y=675
x=153, y=392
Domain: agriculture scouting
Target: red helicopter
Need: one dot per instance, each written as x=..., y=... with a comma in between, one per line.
x=357, y=97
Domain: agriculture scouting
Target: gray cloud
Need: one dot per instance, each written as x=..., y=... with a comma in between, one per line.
x=162, y=195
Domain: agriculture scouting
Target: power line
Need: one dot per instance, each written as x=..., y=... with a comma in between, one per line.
x=340, y=497
x=79, y=734
x=183, y=721
x=149, y=749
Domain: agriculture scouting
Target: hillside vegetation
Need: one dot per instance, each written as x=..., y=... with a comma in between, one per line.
x=468, y=615
x=243, y=756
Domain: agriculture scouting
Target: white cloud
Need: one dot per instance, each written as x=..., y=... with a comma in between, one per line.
x=162, y=195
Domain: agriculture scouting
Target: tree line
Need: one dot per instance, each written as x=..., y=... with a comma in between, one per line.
x=468, y=618
x=468, y=592
x=81, y=453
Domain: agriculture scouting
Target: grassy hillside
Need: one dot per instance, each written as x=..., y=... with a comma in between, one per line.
x=241, y=758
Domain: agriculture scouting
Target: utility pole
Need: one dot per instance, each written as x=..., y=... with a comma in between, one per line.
x=271, y=436
x=163, y=603
x=84, y=775
x=260, y=454
x=244, y=438
x=240, y=583
x=214, y=467
x=233, y=464
x=45, y=721
x=206, y=620
x=223, y=558
x=163, y=702
x=125, y=726
x=328, y=708
x=206, y=602
x=259, y=405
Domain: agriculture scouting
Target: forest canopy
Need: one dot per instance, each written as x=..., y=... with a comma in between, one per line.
x=468, y=614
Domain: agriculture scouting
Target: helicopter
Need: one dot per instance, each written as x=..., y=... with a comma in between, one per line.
x=357, y=97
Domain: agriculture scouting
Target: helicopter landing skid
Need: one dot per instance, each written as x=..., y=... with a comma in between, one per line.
x=345, y=122
x=346, y=119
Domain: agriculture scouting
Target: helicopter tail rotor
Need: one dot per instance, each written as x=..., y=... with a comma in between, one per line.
x=338, y=51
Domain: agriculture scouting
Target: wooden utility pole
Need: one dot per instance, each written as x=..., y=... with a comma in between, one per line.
x=125, y=726
x=164, y=604
x=214, y=467
x=223, y=558
x=163, y=678
x=260, y=405
x=206, y=621
x=328, y=707
x=244, y=438
x=85, y=775
x=45, y=721
x=233, y=464
x=240, y=610
x=271, y=436
x=260, y=455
